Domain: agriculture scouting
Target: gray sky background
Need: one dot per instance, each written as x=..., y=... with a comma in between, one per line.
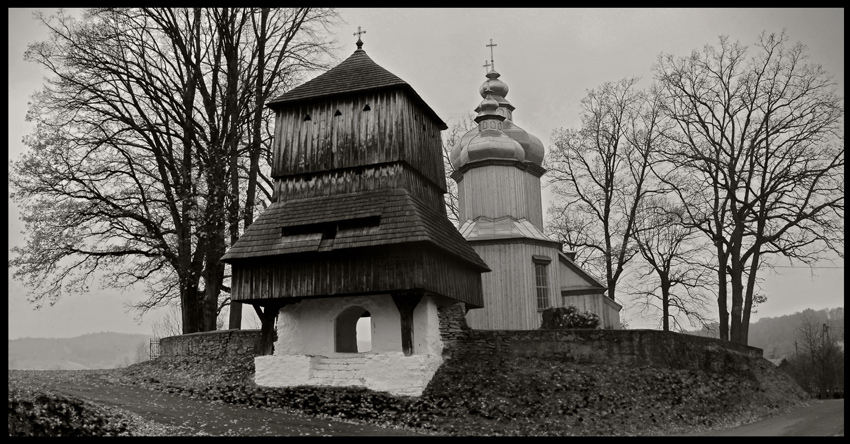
x=548, y=57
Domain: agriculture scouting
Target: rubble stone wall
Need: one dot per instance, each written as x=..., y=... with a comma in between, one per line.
x=212, y=343
x=613, y=347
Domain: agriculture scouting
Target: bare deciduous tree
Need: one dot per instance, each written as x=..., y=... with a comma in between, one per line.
x=762, y=142
x=146, y=132
x=601, y=173
x=674, y=279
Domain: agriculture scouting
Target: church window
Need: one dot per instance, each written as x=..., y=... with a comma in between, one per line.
x=541, y=264
x=337, y=113
x=367, y=108
x=307, y=118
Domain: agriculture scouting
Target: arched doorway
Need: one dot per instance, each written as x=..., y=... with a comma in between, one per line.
x=346, y=327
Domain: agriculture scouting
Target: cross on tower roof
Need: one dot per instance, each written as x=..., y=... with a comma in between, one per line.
x=358, y=33
x=486, y=66
x=491, y=45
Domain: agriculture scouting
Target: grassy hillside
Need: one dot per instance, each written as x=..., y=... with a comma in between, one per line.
x=91, y=351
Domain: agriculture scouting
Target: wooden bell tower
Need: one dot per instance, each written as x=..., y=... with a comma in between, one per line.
x=358, y=201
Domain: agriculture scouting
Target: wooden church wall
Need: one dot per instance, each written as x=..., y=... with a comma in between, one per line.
x=393, y=129
x=521, y=198
x=510, y=294
x=607, y=310
x=353, y=272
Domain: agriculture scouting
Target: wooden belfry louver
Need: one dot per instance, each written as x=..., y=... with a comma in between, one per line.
x=358, y=210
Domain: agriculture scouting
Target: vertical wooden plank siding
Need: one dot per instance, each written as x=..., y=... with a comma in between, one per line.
x=534, y=201
x=395, y=129
x=355, y=272
x=510, y=290
x=500, y=190
x=393, y=175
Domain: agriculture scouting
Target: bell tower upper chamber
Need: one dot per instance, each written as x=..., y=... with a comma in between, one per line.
x=357, y=127
x=358, y=202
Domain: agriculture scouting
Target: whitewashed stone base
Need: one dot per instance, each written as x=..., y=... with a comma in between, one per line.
x=387, y=372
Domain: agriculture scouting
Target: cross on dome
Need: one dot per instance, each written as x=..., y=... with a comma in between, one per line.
x=358, y=33
x=486, y=66
x=491, y=45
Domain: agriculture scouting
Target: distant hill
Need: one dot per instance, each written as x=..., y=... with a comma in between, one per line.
x=91, y=351
x=776, y=336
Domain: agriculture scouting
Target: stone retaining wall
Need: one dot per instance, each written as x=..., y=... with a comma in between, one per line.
x=613, y=347
x=212, y=343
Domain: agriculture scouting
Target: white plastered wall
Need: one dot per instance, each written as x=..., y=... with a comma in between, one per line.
x=304, y=352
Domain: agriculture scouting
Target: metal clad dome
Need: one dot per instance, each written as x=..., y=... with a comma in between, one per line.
x=488, y=141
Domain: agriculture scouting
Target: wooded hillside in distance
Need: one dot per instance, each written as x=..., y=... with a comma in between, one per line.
x=91, y=351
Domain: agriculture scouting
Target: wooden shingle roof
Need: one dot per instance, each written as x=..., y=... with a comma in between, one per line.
x=398, y=219
x=357, y=73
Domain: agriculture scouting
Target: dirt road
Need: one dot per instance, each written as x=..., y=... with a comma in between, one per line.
x=822, y=418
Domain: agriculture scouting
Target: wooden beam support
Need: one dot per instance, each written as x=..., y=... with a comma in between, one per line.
x=268, y=313
x=406, y=303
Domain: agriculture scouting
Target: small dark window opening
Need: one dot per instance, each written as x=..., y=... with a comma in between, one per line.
x=360, y=222
x=367, y=108
x=330, y=229
x=337, y=113
x=307, y=118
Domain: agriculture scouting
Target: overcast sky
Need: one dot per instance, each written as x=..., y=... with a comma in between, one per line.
x=548, y=57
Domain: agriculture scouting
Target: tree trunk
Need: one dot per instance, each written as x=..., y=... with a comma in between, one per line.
x=748, y=301
x=190, y=302
x=723, y=312
x=255, y=149
x=665, y=303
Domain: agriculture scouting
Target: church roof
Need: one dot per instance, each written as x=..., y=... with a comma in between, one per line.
x=587, y=277
x=397, y=218
x=356, y=74
x=505, y=227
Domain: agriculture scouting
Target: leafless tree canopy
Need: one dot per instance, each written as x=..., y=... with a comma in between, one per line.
x=672, y=277
x=601, y=173
x=744, y=146
x=151, y=146
x=759, y=148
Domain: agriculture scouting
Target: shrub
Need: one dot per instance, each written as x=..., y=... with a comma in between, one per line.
x=37, y=413
x=559, y=318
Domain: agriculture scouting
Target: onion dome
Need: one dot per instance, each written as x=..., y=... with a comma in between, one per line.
x=487, y=141
x=533, y=147
x=495, y=90
x=493, y=85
